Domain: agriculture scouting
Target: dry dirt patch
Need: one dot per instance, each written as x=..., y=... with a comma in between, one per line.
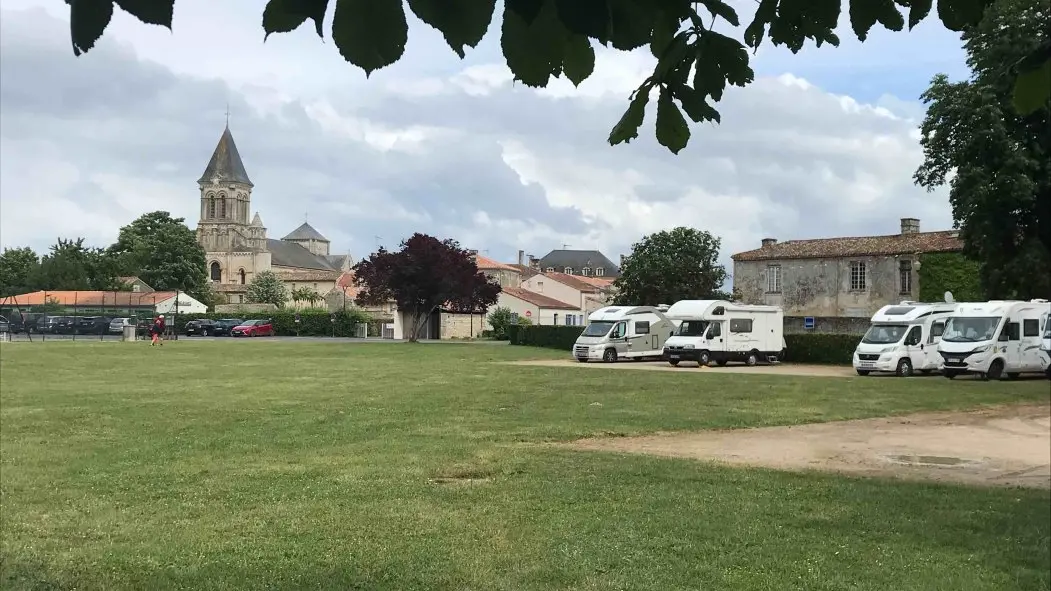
x=782, y=369
x=1005, y=446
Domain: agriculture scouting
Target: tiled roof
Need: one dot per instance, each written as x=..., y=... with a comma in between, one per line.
x=488, y=264
x=599, y=282
x=526, y=271
x=822, y=248
x=537, y=299
x=90, y=298
x=572, y=281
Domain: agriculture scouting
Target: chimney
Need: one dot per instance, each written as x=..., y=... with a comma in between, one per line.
x=534, y=263
x=769, y=242
x=910, y=226
x=473, y=252
x=521, y=258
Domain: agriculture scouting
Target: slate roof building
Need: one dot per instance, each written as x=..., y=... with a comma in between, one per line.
x=589, y=263
x=838, y=277
x=237, y=246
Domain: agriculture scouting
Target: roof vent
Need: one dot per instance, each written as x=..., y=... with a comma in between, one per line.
x=769, y=241
x=910, y=226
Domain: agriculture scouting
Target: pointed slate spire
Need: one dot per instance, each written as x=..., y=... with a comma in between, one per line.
x=305, y=232
x=226, y=165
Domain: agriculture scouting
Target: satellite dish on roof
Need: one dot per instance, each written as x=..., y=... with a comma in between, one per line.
x=948, y=297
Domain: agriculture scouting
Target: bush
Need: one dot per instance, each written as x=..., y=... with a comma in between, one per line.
x=833, y=349
x=311, y=322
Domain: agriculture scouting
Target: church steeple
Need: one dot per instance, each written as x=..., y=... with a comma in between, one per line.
x=226, y=165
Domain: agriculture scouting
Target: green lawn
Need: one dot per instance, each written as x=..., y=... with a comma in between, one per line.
x=276, y=465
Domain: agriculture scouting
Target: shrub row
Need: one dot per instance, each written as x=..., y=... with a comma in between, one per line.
x=836, y=349
x=311, y=322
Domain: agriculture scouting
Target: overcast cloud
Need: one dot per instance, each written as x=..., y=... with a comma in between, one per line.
x=823, y=144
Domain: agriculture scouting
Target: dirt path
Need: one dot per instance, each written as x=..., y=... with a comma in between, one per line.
x=1006, y=446
x=782, y=369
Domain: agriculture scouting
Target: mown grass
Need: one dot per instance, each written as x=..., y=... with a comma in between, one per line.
x=275, y=465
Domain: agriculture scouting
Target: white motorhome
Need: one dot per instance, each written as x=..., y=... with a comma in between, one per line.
x=903, y=339
x=995, y=338
x=1045, y=346
x=722, y=331
x=623, y=332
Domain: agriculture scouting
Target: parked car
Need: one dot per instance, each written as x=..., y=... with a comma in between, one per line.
x=26, y=323
x=202, y=327
x=91, y=325
x=223, y=326
x=116, y=326
x=55, y=325
x=253, y=328
x=5, y=326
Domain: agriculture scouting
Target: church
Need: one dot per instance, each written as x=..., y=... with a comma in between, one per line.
x=236, y=249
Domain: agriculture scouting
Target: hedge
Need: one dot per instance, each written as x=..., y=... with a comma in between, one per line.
x=835, y=349
x=311, y=322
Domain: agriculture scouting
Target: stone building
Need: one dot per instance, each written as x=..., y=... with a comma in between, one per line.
x=236, y=245
x=838, y=277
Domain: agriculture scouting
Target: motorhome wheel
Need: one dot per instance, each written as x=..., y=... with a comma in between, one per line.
x=610, y=356
x=904, y=368
x=673, y=362
x=996, y=370
x=752, y=359
x=703, y=358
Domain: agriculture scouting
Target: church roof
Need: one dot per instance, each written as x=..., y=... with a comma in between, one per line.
x=226, y=164
x=305, y=232
x=290, y=254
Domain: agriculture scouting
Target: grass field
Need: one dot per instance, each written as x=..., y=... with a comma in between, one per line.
x=270, y=465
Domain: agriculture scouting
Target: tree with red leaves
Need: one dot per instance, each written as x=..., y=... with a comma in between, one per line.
x=427, y=274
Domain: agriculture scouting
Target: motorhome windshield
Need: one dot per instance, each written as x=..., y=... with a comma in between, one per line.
x=970, y=329
x=692, y=328
x=1047, y=331
x=884, y=334
x=599, y=328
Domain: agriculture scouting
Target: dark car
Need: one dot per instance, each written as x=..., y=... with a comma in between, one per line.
x=91, y=325
x=223, y=326
x=26, y=322
x=55, y=325
x=202, y=327
x=5, y=326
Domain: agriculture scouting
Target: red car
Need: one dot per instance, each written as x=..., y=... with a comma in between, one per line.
x=253, y=328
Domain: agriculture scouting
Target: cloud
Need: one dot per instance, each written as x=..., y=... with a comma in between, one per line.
x=88, y=144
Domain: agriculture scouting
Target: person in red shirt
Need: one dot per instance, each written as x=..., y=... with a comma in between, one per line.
x=157, y=331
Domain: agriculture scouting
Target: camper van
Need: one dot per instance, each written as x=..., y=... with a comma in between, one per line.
x=994, y=339
x=623, y=332
x=721, y=331
x=1045, y=346
x=903, y=339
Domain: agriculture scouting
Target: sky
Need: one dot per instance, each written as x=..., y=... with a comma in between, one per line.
x=823, y=143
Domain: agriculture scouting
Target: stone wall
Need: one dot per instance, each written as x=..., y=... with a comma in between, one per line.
x=243, y=308
x=462, y=326
x=827, y=325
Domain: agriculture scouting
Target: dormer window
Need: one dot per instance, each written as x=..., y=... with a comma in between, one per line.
x=585, y=271
x=568, y=270
x=549, y=270
x=600, y=272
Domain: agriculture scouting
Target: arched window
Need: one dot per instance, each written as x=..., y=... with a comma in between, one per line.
x=222, y=206
x=241, y=273
x=217, y=272
x=211, y=207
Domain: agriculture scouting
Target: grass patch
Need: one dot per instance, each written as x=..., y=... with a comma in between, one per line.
x=234, y=465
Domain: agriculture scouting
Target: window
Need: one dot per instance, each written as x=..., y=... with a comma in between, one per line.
x=642, y=327
x=514, y=317
x=914, y=337
x=1031, y=327
x=857, y=275
x=715, y=330
x=600, y=272
x=549, y=270
x=905, y=276
x=1013, y=330
x=936, y=331
x=315, y=287
x=540, y=287
x=241, y=275
x=568, y=270
x=773, y=279
x=585, y=271
x=741, y=325
x=619, y=331
x=216, y=271
x=222, y=206
x=211, y=207
x=240, y=299
x=555, y=319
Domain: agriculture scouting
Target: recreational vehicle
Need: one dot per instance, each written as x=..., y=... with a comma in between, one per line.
x=994, y=339
x=1045, y=346
x=721, y=331
x=903, y=338
x=623, y=332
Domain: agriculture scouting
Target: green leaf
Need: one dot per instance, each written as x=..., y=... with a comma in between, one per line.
x=959, y=14
x=694, y=104
x=672, y=57
x=462, y=22
x=631, y=23
x=918, y=10
x=534, y=51
x=151, y=12
x=526, y=9
x=578, y=61
x=370, y=34
x=672, y=131
x=665, y=26
x=627, y=128
x=87, y=20
x=284, y=16
x=722, y=10
x=1032, y=89
x=888, y=15
x=585, y=17
x=863, y=15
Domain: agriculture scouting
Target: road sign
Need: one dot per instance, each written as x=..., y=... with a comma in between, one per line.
x=529, y=313
x=808, y=322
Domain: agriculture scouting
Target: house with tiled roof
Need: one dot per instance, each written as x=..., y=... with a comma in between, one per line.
x=582, y=292
x=237, y=249
x=86, y=302
x=838, y=277
x=539, y=308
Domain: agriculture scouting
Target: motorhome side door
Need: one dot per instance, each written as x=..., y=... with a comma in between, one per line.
x=619, y=337
x=715, y=336
x=1009, y=345
x=915, y=347
x=934, y=336
x=641, y=337
x=1030, y=344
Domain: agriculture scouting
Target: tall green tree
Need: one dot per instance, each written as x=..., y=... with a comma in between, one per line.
x=19, y=271
x=673, y=265
x=996, y=161
x=69, y=265
x=545, y=39
x=163, y=252
x=266, y=288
